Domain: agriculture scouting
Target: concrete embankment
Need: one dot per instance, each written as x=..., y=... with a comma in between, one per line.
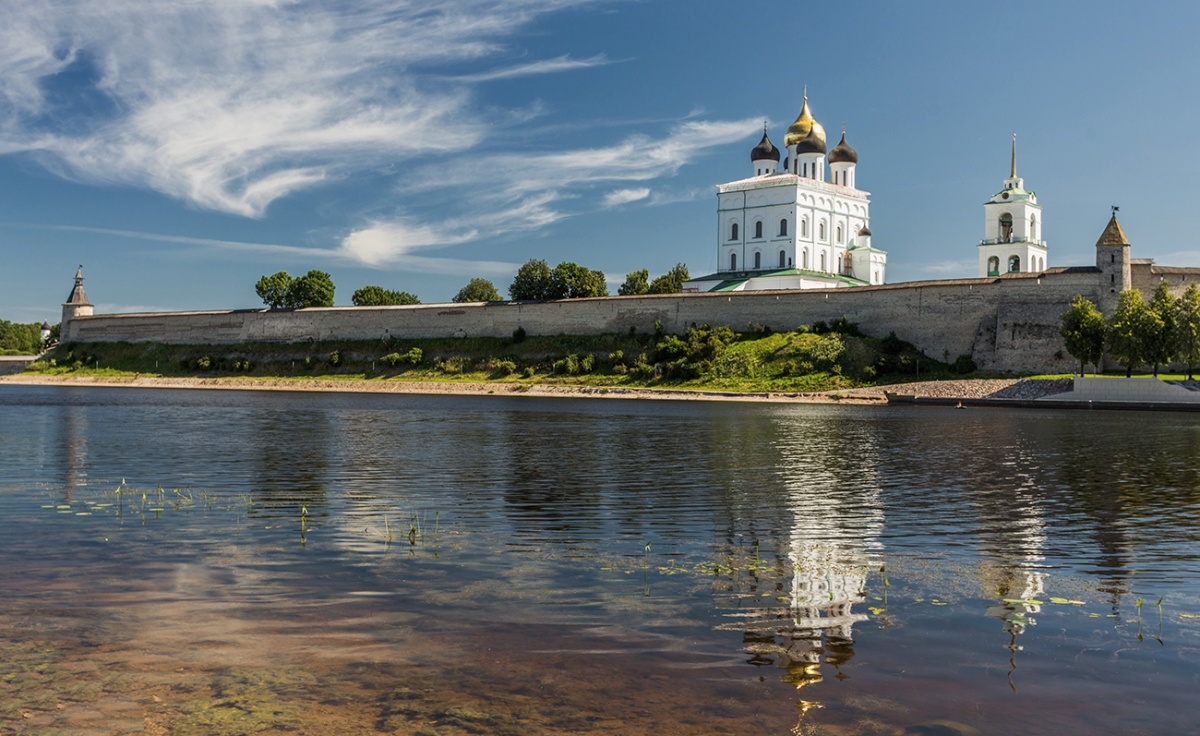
x=12, y=364
x=1137, y=394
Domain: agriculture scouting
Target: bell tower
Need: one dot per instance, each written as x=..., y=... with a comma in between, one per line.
x=1012, y=229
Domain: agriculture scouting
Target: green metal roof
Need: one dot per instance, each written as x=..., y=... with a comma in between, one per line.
x=730, y=279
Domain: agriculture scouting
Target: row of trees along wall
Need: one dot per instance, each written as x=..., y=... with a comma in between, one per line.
x=1159, y=333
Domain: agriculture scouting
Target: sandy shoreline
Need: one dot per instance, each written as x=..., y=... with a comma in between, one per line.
x=961, y=389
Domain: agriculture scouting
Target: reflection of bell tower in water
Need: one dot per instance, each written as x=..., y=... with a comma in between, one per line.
x=1017, y=581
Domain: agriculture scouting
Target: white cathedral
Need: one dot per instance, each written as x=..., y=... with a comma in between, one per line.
x=792, y=229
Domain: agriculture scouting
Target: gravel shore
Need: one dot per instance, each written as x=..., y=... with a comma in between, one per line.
x=958, y=389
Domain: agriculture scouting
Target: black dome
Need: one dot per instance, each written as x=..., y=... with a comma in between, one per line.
x=864, y=231
x=764, y=150
x=812, y=143
x=843, y=153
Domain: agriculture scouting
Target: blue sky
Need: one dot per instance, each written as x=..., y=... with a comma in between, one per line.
x=181, y=149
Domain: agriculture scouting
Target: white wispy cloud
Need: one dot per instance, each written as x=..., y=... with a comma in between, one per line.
x=230, y=105
x=625, y=196
x=545, y=66
x=513, y=192
x=367, y=240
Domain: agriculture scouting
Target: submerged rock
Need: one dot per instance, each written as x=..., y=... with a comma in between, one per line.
x=938, y=728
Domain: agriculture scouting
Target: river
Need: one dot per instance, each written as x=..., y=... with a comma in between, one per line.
x=232, y=562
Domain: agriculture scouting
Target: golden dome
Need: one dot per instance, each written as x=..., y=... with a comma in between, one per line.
x=802, y=127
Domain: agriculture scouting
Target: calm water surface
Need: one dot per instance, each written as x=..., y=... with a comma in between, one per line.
x=229, y=562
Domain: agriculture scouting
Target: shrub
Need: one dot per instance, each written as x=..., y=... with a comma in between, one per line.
x=527, y=371
x=568, y=365
x=391, y=359
x=588, y=364
x=335, y=359
x=519, y=334
x=964, y=364
x=503, y=367
x=414, y=356
x=891, y=345
x=845, y=327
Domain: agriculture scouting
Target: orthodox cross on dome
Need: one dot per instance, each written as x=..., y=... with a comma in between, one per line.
x=1013, y=174
x=1114, y=210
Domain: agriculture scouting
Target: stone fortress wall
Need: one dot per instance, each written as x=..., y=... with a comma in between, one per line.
x=1006, y=323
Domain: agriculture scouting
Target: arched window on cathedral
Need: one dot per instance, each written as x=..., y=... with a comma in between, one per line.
x=823, y=262
x=804, y=227
x=783, y=227
x=839, y=235
x=757, y=259
x=782, y=256
x=758, y=229
x=1014, y=264
x=1033, y=228
x=1006, y=228
x=993, y=266
x=733, y=261
x=804, y=259
x=821, y=231
x=733, y=232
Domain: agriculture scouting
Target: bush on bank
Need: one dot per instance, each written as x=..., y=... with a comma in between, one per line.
x=810, y=358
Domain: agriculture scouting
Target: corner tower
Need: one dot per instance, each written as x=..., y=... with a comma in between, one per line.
x=1012, y=229
x=1112, y=258
x=77, y=305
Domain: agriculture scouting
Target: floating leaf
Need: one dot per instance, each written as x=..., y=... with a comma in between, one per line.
x=877, y=610
x=1023, y=601
x=1065, y=601
x=1188, y=615
x=936, y=602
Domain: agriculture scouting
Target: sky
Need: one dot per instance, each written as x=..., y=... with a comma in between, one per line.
x=181, y=149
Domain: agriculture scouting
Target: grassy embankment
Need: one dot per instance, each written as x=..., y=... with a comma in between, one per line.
x=820, y=358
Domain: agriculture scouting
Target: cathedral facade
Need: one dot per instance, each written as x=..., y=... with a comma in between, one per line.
x=788, y=226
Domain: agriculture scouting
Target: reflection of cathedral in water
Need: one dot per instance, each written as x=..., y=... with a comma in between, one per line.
x=837, y=516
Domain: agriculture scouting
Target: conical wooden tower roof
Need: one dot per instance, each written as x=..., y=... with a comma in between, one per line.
x=1113, y=234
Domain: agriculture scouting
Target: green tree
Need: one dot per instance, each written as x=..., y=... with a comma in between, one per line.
x=572, y=281
x=313, y=289
x=377, y=296
x=20, y=339
x=533, y=281
x=1083, y=331
x=478, y=290
x=275, y=290
x=1127, y=329
x=670, y=282
x=1162, y=342
x=636, y=283
x=1187, y=328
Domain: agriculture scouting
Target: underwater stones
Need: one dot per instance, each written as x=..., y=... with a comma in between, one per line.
x=938, y=728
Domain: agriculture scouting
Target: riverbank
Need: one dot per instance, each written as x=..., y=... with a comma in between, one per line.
x=965, y=389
